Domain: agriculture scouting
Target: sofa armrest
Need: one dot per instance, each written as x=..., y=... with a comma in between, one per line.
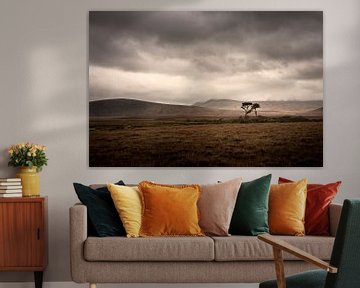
x=78, y=235
x=334, y=216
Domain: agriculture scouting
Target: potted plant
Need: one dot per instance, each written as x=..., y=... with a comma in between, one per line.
x=30, y=158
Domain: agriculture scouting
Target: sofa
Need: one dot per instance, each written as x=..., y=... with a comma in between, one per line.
x=233, y=259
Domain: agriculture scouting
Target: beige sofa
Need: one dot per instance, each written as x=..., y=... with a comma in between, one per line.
x=234, y=259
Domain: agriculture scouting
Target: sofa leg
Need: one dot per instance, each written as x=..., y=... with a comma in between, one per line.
x=92, y=285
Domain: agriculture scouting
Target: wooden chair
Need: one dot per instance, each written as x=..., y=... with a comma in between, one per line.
x=344, y=268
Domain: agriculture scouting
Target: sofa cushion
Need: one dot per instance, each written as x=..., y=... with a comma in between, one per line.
x=169, y=210
x=287, y=204
x=250, y=215
x=244, y=248
x=318, y=199
x=127, y=201
x=149, y=249
x=216, y=206
x=102, y=216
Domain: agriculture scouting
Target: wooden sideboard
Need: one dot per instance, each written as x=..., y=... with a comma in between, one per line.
x=23, y=235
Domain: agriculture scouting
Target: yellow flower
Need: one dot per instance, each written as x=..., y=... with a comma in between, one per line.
x=41, y=147
x=11, y=151
x=29, y=154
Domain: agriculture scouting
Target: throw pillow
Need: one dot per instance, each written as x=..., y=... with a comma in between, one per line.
x=250, y=215
x=216, y=206
x=169, y=210
x=102, y=215
x=287, y=204
x=319, y=197
x=127, y=201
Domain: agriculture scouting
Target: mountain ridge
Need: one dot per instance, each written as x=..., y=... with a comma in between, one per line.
x=124, y=108
x=265, y=106
x=132, y=108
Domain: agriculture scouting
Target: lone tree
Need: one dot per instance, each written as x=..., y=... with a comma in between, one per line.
x=255, y=106
x=248, y=107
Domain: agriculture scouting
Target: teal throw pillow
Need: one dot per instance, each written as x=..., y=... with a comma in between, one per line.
x=250, y=216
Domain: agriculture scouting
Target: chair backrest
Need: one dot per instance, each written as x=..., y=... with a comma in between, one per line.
x=346, y=252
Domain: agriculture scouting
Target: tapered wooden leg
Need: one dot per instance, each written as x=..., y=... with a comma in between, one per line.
x=38, y=275
x=279, y=267
x=92, y=285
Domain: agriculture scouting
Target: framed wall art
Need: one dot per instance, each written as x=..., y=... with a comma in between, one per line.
x=206, y=89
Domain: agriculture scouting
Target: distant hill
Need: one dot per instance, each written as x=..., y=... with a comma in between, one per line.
x=222, y=108
x=314, y=113
x=130, y=108
x=227, y=104
x=319, y=109
x=268, y=108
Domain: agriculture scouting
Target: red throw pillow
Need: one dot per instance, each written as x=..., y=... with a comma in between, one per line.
x=319, y=197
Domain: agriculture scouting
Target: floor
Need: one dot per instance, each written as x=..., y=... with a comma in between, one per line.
x=74, y=285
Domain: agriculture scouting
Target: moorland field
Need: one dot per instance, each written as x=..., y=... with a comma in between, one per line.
x=205, y=142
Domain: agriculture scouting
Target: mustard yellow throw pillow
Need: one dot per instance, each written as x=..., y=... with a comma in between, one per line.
x=169, y=210
x=287, y=204
x=127, y=201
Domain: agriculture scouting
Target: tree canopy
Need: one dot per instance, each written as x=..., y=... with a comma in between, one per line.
x=248, y=107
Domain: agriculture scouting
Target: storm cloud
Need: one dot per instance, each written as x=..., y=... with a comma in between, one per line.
x=186, y=57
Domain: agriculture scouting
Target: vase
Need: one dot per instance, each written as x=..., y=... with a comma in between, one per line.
x=30, y=181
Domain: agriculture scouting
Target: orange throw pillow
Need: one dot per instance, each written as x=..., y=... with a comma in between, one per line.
x=169, y=210
x=287, y=204
x=319, y=197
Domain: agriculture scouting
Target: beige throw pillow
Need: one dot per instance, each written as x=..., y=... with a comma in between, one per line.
x=216, y=205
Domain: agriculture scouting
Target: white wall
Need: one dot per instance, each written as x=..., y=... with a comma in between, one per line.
x=43, y=90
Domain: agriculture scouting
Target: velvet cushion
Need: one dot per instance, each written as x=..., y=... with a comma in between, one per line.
x=102, y=214
x=169, y=210
x=318, y=200
x=216, y=206
x=127, y=201
x=250, y=215
x=310, y=279
x=287, y=204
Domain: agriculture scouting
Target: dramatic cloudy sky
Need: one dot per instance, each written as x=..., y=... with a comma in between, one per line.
x=186, y=57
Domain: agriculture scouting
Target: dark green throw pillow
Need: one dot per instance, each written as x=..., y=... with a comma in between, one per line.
x=250, y=216
x=103, y=218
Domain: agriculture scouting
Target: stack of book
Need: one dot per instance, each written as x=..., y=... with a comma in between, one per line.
x=10, y=187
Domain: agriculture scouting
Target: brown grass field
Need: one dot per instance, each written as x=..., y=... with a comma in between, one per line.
x=268, y=142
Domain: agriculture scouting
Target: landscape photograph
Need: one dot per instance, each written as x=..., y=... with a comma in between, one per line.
x=206, y=89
